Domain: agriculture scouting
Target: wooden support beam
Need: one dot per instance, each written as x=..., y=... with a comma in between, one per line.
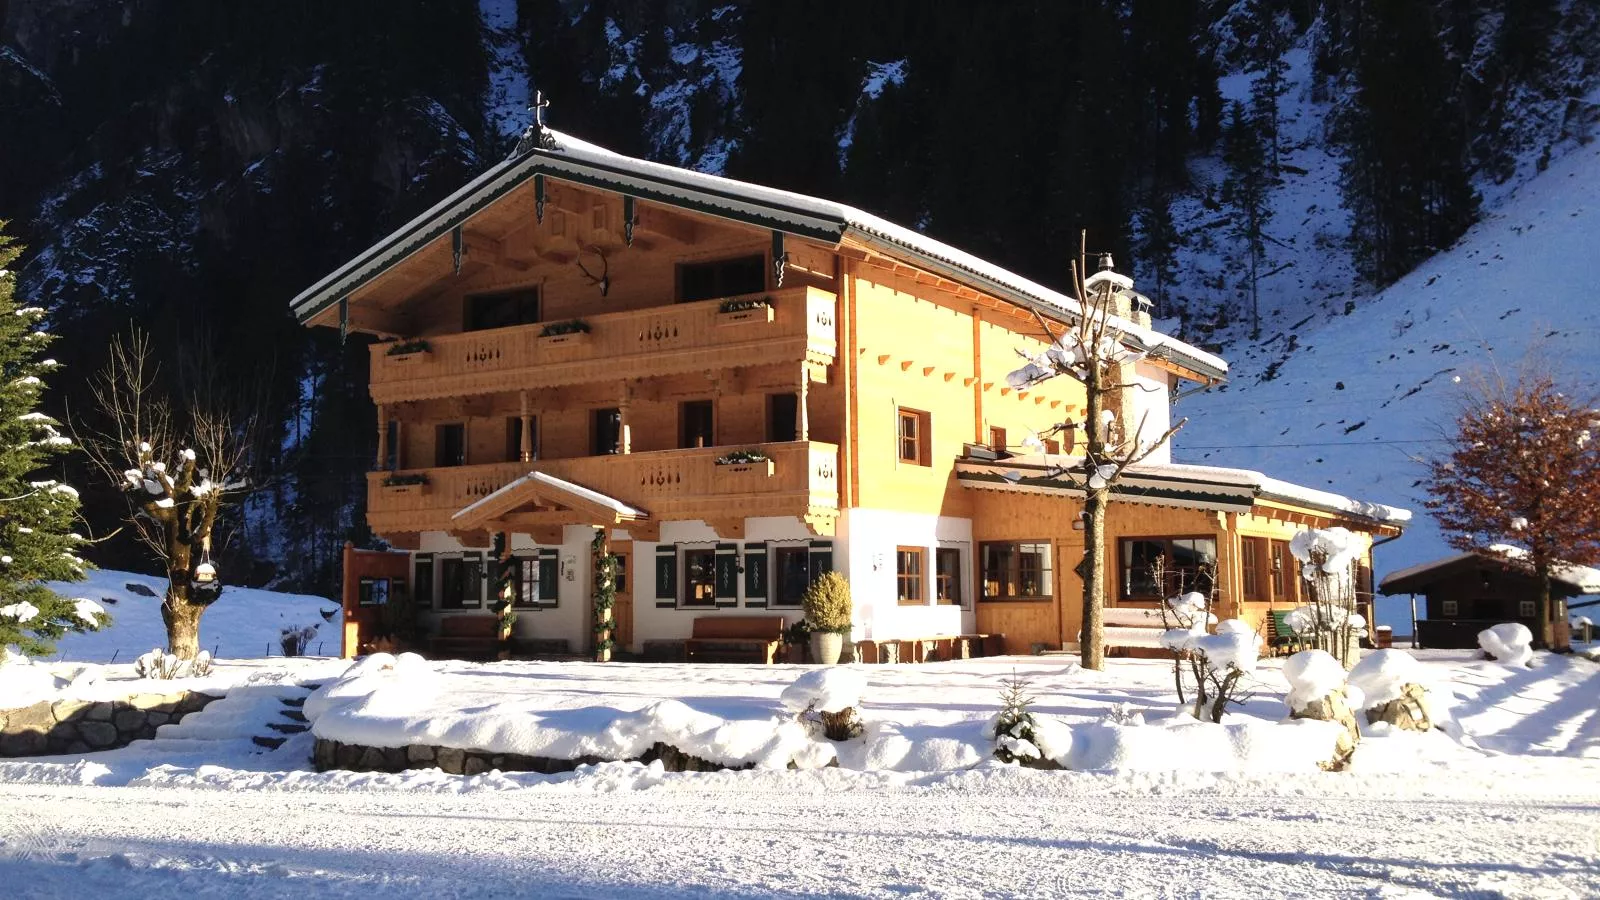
x=727, y=529
x=644, y=530
x=547, y=535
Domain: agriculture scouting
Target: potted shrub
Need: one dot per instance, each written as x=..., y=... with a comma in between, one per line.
x=744, y=309
x=827, y=606
x=557, y=334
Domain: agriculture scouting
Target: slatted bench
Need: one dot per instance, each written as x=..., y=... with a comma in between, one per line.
x=751, y=638
x=1133, y=628
x=466, y=637
x=933, y=648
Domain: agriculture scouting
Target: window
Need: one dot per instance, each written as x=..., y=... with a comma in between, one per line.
x=997, y=438
x=450, y=445
x=373, y=591
x=422, y=577
x=1016, y=570
x=783, y=417
x=1185, y=564
x=913, y=437
x=1527, y=609
x=909, y=570
x=695, y=425
x=947, y=589
x=1281, y=573
x=723, y=278
x=792, y=575
x=460, y=582
x=622, y=574
x=1449, y=608
x=1251, y=557
x=534, y=582
x=483, y=311
x=514, y=439
x=606, y=432
x=699, y=577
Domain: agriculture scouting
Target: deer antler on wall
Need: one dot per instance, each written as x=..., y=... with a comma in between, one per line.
x=604, y=279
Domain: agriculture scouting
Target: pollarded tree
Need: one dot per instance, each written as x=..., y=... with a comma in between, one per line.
x=178, y=464
x=1097, y=351
x=37, y=543
x=1522, y=476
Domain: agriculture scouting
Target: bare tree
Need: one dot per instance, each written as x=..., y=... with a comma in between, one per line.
x=178, y=464
x=1095, y=350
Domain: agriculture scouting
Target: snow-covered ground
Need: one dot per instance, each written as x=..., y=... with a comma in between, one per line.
x=1504, y=802
x=243, y=623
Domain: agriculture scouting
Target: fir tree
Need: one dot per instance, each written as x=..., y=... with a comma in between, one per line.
x=1246, y=189
x=36, y=512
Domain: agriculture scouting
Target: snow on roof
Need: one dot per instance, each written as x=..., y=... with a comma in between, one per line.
x=714, y=194
x=595, y=497
x=1262, y=485
x=1583, y=579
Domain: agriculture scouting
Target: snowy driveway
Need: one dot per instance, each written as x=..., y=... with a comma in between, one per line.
x=1001, y=833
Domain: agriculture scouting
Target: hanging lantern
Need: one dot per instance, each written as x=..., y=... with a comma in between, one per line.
x=205, y=573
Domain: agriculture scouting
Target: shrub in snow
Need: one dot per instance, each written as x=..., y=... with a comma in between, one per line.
x=1509, y=642
x=827, y=698
x=1220, y=662
x=1318, y=690
x=1013, y=728
x=166, y=666
x=1391, y=686
x=1330, y=621
x=294, y=639
x=1185, y=616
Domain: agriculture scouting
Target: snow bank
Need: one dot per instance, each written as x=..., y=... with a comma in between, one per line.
x=24, y=683
x=1382, y=673
x=1312, y=675
x=1510, y=643
x=1184, y=744
x=828, y=690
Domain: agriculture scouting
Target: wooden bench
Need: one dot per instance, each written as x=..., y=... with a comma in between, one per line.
x=1133, y=628
x=466, y=637
x=756, y=638
x=1280, y=637
x=933, y=648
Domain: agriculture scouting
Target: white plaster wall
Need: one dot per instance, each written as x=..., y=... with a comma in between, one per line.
x=869, y=538
x=1152, y=401
x=660, y=623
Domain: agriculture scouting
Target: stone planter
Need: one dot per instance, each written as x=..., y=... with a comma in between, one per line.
x=826, y=647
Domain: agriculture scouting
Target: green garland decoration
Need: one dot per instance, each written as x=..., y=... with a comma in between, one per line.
x=605, y=593
x=505, y=586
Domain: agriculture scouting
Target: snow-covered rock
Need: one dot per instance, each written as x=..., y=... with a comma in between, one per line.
x=1312, y=675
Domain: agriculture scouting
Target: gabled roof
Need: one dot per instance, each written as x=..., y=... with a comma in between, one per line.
x=570, y=159
x=1565, y=578
x=1174, y=484
x=537, y=486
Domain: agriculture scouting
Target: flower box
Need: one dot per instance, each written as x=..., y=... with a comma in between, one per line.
x=744, y=316
x=565, y=339
x=400, y=485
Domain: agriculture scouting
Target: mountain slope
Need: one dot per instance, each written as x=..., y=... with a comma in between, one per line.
x=1363, y=393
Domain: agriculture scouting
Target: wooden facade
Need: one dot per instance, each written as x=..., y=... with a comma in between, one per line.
x=726, y=398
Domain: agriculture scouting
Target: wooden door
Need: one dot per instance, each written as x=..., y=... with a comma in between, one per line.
x=623, y=610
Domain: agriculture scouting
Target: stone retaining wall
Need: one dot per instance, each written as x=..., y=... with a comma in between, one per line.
x=356, y=758
x=83, y=726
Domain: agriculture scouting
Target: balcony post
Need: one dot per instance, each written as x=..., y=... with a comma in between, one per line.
x=526, y=449
x=624, y=422
x=802, y=415
x=383, y=437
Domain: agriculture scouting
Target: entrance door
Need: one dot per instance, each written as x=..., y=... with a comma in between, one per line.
x=623, y=610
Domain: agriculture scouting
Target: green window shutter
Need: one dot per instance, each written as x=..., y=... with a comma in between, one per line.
x=727, y=575
x=549, y=589
x=755, y=574
x=821, y=554
x=666, y=575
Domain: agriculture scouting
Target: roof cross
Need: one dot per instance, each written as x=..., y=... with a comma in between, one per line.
x=540, y=104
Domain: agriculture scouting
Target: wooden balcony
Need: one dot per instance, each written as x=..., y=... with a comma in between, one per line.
x=662, y=340
x=800, y=480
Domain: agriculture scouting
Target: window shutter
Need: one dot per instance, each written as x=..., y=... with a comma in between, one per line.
x=422, y=577
x=666, y=575
x=727, y=575
x=755, y=574
x=821, y=558
x=549, y=569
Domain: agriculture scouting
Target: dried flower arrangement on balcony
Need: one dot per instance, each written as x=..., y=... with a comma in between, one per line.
x=404, y=348
x=743, y=458
x=573, y=326
x=744, y=304
x=405, y=480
